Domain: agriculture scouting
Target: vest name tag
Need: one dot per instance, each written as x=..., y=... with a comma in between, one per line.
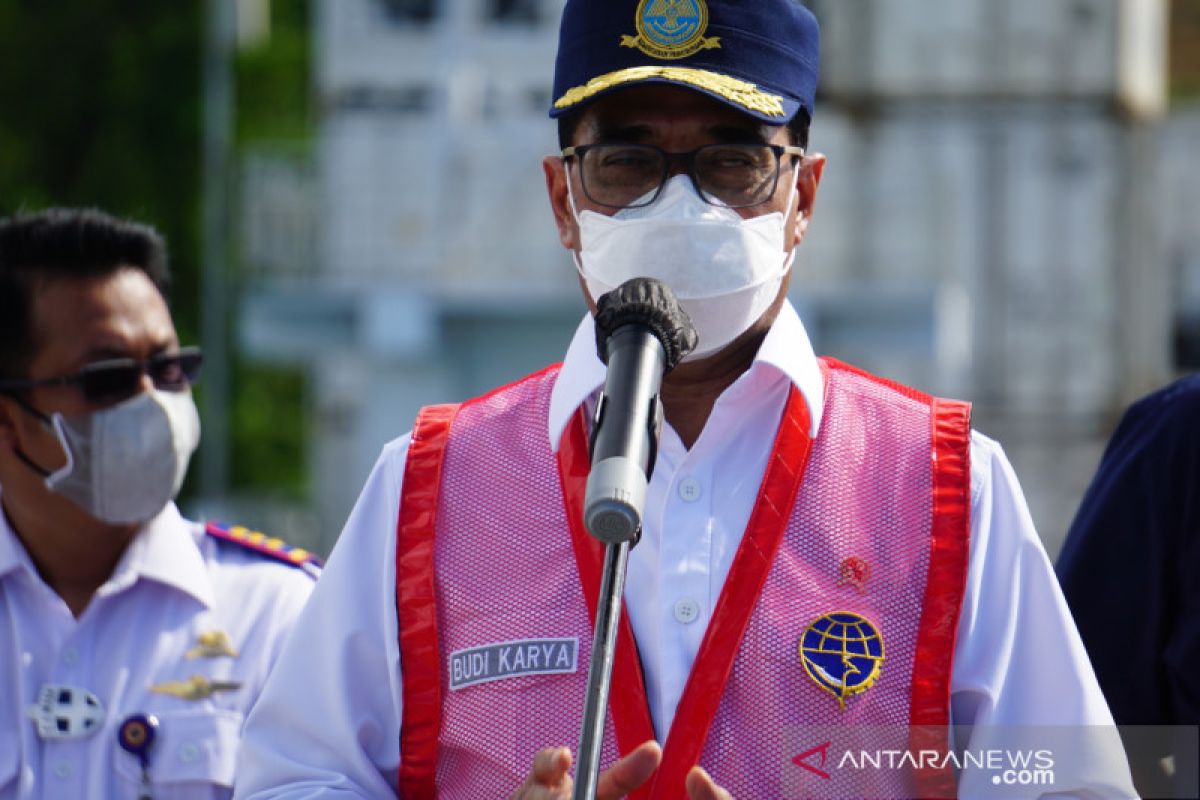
x=493, y=662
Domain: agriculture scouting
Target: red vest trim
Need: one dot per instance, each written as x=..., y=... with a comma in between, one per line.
x=416, y=603
x=947, y=579
x=944, y=588
x=756, y=552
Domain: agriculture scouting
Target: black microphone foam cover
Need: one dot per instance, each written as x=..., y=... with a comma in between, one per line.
x=648, y=302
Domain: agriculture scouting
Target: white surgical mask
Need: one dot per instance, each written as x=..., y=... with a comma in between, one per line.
x=126, y=462
x=724, y=269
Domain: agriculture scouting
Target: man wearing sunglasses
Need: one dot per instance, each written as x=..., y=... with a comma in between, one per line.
x=826, y=558
x=132, y=641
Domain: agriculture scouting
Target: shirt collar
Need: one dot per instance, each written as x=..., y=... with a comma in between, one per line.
x=12, y=554
x=165, y=551
x=786, y=348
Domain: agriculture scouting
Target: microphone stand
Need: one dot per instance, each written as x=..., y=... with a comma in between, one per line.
x=608, y=614
x=641, y=333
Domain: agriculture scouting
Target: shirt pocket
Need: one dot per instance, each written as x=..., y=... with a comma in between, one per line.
x=194, y=755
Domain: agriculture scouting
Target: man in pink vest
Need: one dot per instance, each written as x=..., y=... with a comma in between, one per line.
x=833, y=567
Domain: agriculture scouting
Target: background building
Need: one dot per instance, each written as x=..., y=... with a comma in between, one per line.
x=1008, y=215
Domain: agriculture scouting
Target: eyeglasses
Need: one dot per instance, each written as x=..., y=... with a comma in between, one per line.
x=117, y=379
x=632, y=175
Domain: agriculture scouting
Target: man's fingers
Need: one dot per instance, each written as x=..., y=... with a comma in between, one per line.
x=629, y=772
x=548, y=780
x=701, y=787
x=550, y=766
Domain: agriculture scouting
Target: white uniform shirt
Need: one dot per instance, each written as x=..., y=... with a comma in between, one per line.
x=173, y=584
x=1018, y=659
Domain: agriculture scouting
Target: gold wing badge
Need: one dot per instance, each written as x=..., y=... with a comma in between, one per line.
x=212, y=644
x=197, y=687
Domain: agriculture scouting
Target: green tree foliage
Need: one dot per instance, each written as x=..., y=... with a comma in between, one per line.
x=274, y=98
x=271, y=403
x=1185, y=49
x=99, y=105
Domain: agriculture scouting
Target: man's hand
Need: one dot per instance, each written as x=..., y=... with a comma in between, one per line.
x=551, y=779
x=701, y=787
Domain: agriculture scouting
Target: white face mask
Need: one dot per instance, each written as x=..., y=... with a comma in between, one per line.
x=725, y=270
x=126, y=462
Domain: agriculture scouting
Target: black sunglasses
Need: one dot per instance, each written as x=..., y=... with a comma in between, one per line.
x=119, y=378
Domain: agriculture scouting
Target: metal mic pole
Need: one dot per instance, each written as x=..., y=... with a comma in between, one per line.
x=608, y=613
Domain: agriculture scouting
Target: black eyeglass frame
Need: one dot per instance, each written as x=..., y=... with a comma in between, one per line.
x=688, y=159
x=189, y=360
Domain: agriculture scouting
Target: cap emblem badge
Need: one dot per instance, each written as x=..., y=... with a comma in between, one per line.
x=670, y=29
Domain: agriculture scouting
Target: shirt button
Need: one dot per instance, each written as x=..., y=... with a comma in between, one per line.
x=70, y=656
x=62, y=769
x=188, y=753
x=689, y=490
x=686, y=610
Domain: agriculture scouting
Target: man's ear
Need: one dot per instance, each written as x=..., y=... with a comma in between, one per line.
x=560, y=201
x=808, y=178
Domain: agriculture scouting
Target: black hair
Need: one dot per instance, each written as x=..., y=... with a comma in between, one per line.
x=568, y=123
x=64, y=244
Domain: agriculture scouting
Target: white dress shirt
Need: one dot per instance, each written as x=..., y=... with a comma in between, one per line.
x=142, y=629
x=1018, y=659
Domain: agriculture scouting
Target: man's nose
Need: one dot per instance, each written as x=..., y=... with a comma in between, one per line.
x=677, y=167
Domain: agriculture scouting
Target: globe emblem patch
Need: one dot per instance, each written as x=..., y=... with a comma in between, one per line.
x=843, y=653
x=670, y=23
x=671, y=29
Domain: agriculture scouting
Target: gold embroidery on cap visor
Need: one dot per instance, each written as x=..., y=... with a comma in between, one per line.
x=741, y=93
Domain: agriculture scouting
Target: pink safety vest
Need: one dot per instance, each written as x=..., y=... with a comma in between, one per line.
x=837, y=618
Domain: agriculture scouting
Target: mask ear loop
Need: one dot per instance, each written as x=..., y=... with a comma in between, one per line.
x=792, y=194
x=54, y=478
x=570, y=194
x=51, y=424
x=575, y=256
x=27, y=407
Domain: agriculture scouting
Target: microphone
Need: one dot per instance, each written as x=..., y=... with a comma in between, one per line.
x=641, y=334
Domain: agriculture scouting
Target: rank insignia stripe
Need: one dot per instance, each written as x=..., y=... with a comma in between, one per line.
x=842, y=652
x=259, y=542
x=197, y=687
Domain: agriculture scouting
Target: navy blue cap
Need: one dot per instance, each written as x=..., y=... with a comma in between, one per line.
x=758, y=56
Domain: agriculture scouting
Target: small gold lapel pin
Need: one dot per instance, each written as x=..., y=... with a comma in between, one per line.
x=196, y=687
x=212, y=644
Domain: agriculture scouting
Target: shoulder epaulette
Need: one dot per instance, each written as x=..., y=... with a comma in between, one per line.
x=259, y=542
